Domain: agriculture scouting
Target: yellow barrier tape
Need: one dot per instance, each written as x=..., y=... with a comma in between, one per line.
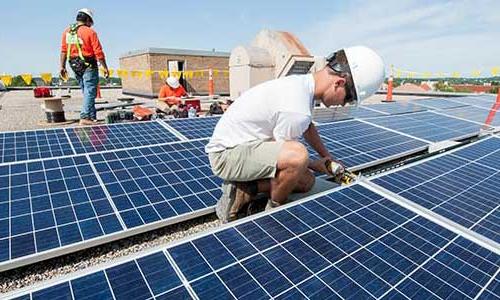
x=46, y=77
x=6, y=79
x=27, y=78
x=476, y=73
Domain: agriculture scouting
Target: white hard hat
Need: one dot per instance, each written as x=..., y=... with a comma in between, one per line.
x=366, y=69
x=88, y=12
x=173, y=82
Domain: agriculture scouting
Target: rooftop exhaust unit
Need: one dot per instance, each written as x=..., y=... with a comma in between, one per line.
x=272, y=54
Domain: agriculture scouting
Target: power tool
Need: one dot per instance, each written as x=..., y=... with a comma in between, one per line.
x=339, y=173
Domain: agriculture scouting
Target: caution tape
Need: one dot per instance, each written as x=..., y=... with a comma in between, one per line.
x=125, y=73
x=402, y=73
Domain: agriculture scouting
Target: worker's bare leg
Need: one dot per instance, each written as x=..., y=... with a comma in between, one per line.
x=304, y=185
x=292, y=165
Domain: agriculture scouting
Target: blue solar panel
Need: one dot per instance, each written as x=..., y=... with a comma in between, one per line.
x=429, y=126
x=327, y=115
x=395, y=108
x=28, y=145
x=351, y=243
x=485, y=101
x=159, y=182
x=436, y=103
x=195, y=128
x=49, y=204
x=461, y=186
x=474, y=114
x=118, y=136
x=493, y=290
x=143, y=278
x=357, y=144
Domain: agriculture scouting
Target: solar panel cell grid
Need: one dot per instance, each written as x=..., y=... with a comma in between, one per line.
x=440, y=104
x=371, y=248
x=195, y=128
x=429, y=126
x=474, y=114
x=461, y=186
x=119, y=136
x=356, y=143
x=396, y=108
x=51, y=203
x=160, y=182
x=486, y=101
x=326, y=115
x=28, y=145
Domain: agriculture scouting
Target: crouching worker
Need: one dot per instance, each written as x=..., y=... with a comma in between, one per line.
x=255, y=146
x=169, y=97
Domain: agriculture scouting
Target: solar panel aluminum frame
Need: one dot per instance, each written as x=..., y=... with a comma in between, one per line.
x=385, y=160
x=65, y=130
x=370, y=107
x=483, y=105
x=35, y=130
x=487, y=129
x=163, y=248
x=173, y=130
x=430, y=107
x=462, y=137
x=382, y=160
x=125, y=233
x=434, y=217
x=165, y=123
x=427, y=213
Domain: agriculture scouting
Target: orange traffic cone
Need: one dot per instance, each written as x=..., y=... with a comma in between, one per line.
x=211, y=91
x=388, y=98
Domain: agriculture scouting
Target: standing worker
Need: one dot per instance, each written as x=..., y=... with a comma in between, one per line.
x=82, y=49
x=255, y=146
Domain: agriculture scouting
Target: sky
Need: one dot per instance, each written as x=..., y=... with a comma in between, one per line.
x=417, y=35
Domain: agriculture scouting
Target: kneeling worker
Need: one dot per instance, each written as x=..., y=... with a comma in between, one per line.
x=170, y=94
x=255, y=146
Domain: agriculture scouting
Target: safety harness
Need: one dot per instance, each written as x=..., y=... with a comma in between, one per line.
x=78, y=64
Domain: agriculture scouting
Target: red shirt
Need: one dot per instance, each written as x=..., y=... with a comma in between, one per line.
x=89, y=42
x=167, y=91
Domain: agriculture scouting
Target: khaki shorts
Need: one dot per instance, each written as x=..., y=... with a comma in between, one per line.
x=247, y=162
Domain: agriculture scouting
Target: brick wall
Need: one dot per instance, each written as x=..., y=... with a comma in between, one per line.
x=142, y=86
x=156, y=62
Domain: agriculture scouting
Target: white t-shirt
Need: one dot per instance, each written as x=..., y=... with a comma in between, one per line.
x=279, y=109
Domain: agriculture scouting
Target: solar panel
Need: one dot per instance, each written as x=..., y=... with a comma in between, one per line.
x=27, y=145
x=474, y=114
x=118, y=136
x=429, y=126
x=436, y=103
x=484, y=101
x=359, y=145
x=493, y=289
x=56, y=206
x=194, y=128
x=350, y=243
x=159, y=182
x=401, y=107
x=461, y=186
x=50, y=204
x=327, y=115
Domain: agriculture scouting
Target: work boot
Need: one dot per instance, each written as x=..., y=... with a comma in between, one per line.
x=235, y=196
x=271, y=204
x=257, y=205
x=86, y=122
